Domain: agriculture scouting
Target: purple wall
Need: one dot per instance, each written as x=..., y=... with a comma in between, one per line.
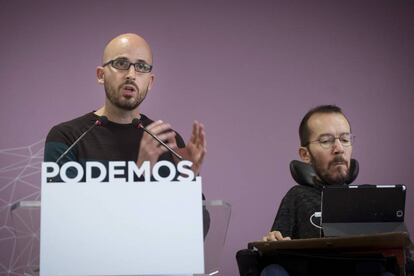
x=248, y=70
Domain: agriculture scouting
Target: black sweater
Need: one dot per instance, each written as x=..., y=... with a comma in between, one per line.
x=111, y=142
x=295, y=210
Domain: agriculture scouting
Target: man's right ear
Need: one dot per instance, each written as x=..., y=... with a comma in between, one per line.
x=305, y=155
x=100, y=74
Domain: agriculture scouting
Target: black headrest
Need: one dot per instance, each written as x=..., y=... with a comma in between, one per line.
x=304, y=174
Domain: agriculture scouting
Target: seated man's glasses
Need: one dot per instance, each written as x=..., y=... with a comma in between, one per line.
x=328, y=140
x=124, y=64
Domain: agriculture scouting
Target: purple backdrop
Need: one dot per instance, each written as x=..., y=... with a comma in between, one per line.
x=248, y=70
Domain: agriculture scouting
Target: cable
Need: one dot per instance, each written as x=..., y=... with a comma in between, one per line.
x=316, y=215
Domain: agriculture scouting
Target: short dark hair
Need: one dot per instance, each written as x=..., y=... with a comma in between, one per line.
x=304, y=131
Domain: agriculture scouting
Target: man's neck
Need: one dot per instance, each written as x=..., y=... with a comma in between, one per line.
x=118, y=116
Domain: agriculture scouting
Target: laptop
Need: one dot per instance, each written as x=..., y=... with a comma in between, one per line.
x=363, y=209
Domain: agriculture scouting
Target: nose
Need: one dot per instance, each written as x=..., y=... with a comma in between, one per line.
x=131, y=73
x=337, y=147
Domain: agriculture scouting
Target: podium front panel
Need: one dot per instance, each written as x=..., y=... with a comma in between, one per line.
x=146, y=228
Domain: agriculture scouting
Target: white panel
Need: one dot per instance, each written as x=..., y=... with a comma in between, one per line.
x=147, y=228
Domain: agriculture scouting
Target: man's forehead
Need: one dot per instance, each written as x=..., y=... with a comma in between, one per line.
x=129, y=46
x=328, y=123
x=133, y=55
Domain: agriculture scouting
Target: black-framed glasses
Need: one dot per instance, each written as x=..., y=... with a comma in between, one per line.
x=125, y=64
x=328, y=140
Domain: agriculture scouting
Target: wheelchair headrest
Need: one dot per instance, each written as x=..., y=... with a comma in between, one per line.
x=304, y=174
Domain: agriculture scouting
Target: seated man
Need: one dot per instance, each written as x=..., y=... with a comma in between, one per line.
x=326, y=144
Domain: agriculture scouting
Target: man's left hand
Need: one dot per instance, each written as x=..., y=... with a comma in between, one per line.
x=196, y=147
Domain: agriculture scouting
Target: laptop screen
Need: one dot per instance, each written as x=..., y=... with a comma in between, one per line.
x=363, y=203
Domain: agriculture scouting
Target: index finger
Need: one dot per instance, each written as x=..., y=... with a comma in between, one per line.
x=198, y=134
x=158, y=127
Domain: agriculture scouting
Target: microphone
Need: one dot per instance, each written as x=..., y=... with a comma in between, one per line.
x=137, y=123
x=103, y=120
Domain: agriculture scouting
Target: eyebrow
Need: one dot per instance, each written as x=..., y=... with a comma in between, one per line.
x=138, y=61
x=330, y=134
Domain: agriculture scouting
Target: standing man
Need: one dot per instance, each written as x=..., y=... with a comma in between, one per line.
x=126, y=74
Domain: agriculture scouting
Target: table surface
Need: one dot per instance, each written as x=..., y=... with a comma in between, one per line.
x=362, y=242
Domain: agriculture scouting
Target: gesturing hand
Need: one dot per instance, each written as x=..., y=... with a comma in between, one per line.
x=196, y=147
x=150, y=149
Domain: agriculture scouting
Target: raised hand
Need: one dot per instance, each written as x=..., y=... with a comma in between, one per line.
x=196, y=147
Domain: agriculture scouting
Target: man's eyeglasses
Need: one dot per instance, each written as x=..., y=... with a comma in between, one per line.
x=124, y=64
x=328, y=140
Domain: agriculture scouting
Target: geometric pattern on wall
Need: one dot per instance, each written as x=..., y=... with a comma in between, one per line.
x=19, y=229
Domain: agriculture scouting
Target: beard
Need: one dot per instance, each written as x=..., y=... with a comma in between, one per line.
x=123, y=103
x=333, y=175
